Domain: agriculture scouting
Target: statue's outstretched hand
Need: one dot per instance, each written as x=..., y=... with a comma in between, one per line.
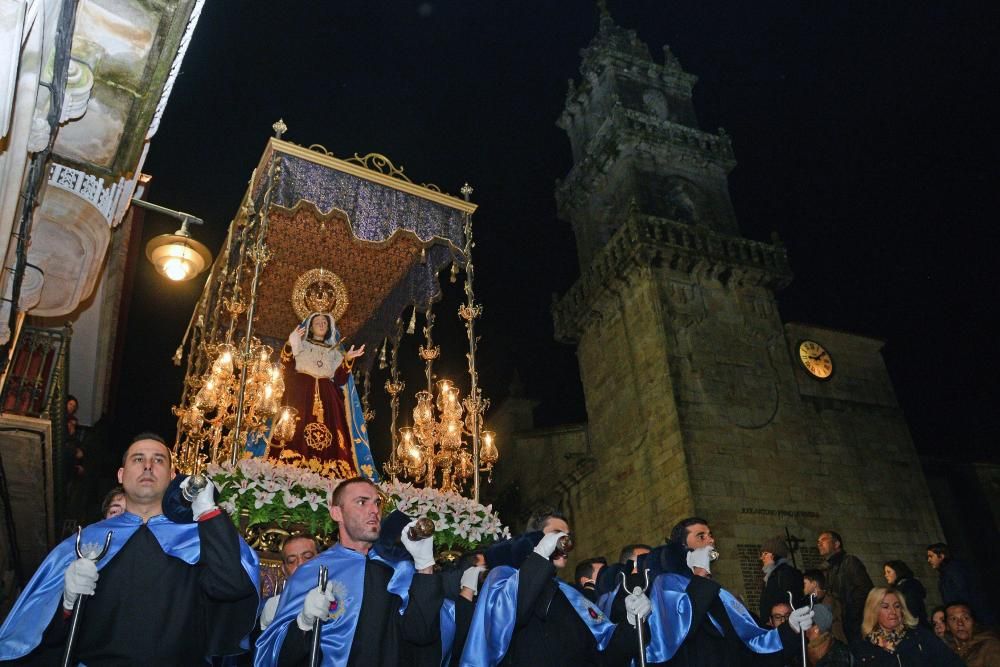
x=354, y=354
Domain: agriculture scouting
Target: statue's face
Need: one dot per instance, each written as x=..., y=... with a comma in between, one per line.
x=319, y=327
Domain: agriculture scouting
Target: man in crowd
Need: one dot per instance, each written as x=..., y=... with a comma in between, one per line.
x=779, y=614
x=823, y=649
x=165, y=593
x=814, y=583
x=373, y=610
x=630, y=556
x=295, y=551
x=469, y=572
x=957, y=582
x=780, y=577
x=113, y=503
x=586, y=576
x=847, y=578
x=697, y=623
x=526, y=616
x=610, y=594
x=977, y=647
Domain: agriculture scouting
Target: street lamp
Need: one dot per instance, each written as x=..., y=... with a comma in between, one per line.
x=176, y=256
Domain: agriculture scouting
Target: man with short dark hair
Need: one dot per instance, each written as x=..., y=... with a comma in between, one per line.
x=779, y=614
x=630, y=553
x=585, y=576
x=165, y=593
x=847, y=578
x=372, y=608
x=295, y=551
x=526, y=616
x=978, y=648
x=697, y=623
x=609, y=590
x=957, y=582
x=113, y=503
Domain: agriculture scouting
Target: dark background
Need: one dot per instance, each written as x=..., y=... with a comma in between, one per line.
x=863, y=130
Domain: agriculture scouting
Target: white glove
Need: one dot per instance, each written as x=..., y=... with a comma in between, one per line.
x=267, y=613
x=801, y=619
x=316, y=606
x=421, y=550
x=80, y=579
x=470, y=578
x=547, y=546
x=701, y=557
x=637, y=606
x=204, y=501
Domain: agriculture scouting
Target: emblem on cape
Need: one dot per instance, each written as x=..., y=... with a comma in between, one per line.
x=317, y=436
x=339, y=604
x=91, y=549
x=319, y=291
x=595, y=614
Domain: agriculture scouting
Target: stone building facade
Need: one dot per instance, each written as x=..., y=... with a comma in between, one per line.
x=697, y=398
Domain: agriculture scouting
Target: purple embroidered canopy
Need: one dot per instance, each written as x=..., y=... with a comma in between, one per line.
x=384, y=236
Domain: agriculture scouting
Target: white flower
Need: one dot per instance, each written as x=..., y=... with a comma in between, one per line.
x=314, y=500
x=291, y=501
x=262, y=498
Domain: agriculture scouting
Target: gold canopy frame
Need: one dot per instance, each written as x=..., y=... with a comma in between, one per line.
x=269, y=245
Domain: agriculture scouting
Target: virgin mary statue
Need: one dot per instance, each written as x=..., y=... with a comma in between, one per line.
x=320, y=385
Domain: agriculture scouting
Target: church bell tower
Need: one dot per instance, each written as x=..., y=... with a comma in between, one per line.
x=698, y=402
x=637, y=147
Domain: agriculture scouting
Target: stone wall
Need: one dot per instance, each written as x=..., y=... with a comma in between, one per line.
x=697, y=404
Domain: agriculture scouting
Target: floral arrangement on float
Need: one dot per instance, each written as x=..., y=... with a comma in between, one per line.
x=270, y=499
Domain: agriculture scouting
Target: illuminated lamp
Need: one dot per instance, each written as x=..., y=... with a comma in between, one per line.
x=176, y=256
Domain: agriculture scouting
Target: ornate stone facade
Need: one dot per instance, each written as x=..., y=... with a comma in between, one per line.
x=696, y=397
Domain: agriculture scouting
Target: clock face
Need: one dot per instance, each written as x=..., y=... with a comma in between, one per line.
x=815, y=359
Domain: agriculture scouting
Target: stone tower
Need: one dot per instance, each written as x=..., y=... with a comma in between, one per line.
x=698, y=400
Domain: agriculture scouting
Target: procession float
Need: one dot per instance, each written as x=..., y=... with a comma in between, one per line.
x=327, y=265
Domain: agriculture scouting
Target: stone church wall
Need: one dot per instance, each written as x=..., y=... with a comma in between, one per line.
x=696, y=406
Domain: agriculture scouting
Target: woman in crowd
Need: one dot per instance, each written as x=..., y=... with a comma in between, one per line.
x=900, y=577
x=939, y=624
x=892, y=636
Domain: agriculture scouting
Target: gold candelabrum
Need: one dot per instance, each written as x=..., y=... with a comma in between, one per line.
x=208, y=425
x=434, y=451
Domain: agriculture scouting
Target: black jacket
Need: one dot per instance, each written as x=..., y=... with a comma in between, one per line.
x=784, y=579
x=913, y=594
x=919, y=648
x=847, y=578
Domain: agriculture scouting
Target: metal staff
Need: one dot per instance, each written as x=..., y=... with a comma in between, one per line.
x=638, y=624
x=314, y=654
x=78, y=605
x=802, y=634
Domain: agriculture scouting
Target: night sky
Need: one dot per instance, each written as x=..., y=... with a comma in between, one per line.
x=863, y=132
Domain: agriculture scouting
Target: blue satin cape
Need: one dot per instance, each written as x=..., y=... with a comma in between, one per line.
x=22, y=631
x=448, y=626
x=347, y=574
x=670, y=620
x=496, y=613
